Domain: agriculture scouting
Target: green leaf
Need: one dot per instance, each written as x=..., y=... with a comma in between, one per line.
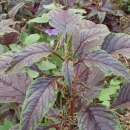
x=129, y=8
x=33, y=38
x=15, y=47
x=2, y=48
x=43, y=19
x=23, y=35
x=79, y=11
x=46, y=65
x=6, y=126
x=32, y=73
x=106, y=93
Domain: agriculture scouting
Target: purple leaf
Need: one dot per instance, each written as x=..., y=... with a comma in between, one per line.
x=68, y=72
x=106, y=63
x=13, y=87
x=28, y=56
x=63, y=20
x=9, y=38
x=39, y=99
x=88, y=36
x=97, y=118
x=5, y=60
x=117, y=43
x=123, y=99
x=89, y=83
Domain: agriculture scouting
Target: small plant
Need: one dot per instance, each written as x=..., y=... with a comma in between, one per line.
x=64, y=94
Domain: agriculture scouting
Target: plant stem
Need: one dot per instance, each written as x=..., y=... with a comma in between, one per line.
x=56, y=54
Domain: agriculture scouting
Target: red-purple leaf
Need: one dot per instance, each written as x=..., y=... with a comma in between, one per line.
x=68, y=72
x=88, y=36
x=81, y=72
x=89, y=83
x=39, y=99
x=13, y=87
x=97, y=118
x=123, y=99
x=7, y=32
x=106, y=63
x=28, y=56
x=63, y=20
x=117, y=43
x=5, y=60
x=9, y=38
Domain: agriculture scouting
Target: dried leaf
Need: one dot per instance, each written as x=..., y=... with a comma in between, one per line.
x=5, y=26
x=101, y=16
x=13, y=87
x=7, y=34
x=68, y=3
x=15, y=9
x=123, y=99
x=117, y=43
x=106, y=63
x=97, y=118
x=39, y=99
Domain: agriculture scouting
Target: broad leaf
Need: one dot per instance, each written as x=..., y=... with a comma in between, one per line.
x=64, y=20
x=15, y=47
x=106, y=63
x=28, y=56
x=43, y=19
x=5, y=60
x=6, y=126
x=38, y=128
x=117, y=43
x=97, y=118
x=32, y=73
x=33, y=38
x=89, y=36
x=68, y=72
x=13, y=87
x=110, y=90
x=89, y=83
x=39, y=99
x=16, y=127
x=46, y=65
x=123, y=99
